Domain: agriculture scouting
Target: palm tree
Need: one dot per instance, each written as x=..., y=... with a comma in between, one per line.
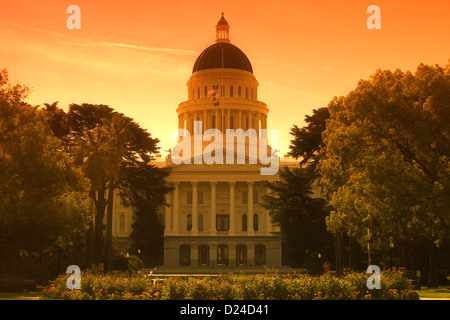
x=100, y=158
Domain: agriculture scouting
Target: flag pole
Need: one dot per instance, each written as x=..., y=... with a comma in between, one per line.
x=222, y=93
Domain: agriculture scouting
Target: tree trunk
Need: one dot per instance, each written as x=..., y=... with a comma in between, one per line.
x=432, y=271
x=339, y=252
x=402, y=262
x=99, y=243
x=90, y=244
x=413, y=254
x=352, y=253
x=109, y=218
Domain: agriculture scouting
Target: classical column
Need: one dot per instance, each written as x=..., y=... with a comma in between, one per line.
x=194, y=253
x=167, y=222
x=269, y=219
x=258, y=118
x=232, y=209
x=188, y=123
x=194, y=125
x=240, y=126
x=216, y=124
x=212, y=253
x=251, y=252
x=232, y=253
x=176, y=208
x=250, y=207
x=204, y=121
x=194, y=207
x=213, y=230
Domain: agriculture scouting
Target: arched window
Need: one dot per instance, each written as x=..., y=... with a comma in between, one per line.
x=203, y=255
x=244, y=222
x=241, y=255
x=222, y=255
x=185, y=255
x=189, y=222
x=255, y=222
x=122, y=223
x=260, y=255
x=231, y=91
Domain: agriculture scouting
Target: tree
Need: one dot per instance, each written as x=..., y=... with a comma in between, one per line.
x=114, y=152
x=308, y=146
x=43, y=196
x=307, y=143
x=301, y=217
x=386, y=166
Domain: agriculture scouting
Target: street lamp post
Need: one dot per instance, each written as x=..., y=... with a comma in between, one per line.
x=391, y=245
x=139, y=258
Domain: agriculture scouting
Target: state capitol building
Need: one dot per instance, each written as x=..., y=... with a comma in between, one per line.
x=215, y=220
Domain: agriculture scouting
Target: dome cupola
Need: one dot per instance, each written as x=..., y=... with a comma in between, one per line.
x=222, y=54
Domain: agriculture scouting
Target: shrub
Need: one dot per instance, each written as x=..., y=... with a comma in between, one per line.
x=137, y=286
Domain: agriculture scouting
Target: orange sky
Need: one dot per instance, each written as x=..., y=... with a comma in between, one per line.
x=136, y=56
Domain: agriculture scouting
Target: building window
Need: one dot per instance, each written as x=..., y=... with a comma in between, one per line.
x=189, y=197
x=200, y=222
x=239, y=91
x=198, y=91
x=199, y=197
x=222, y=222
x=122, y=223
x=244, y=197
x=185, y=255
x=203, y=255
x=231, y=91
x=244, y=222
x=246, y=123
x=222, y=255
x=231, y=122
x=246, y=93
x=189, y=222
x=260, y=255
x=206, y=91
x=222, y=91
x=241, y=255
x=255, y=197
x=255, y=222
x=213, y=122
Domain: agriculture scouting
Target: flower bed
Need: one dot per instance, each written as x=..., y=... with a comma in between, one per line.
x=269, y=286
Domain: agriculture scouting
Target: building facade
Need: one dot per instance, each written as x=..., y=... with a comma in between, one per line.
x=215, y=220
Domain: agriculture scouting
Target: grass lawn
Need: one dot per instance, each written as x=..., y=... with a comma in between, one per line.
x=14, y=295
x=440, y=292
